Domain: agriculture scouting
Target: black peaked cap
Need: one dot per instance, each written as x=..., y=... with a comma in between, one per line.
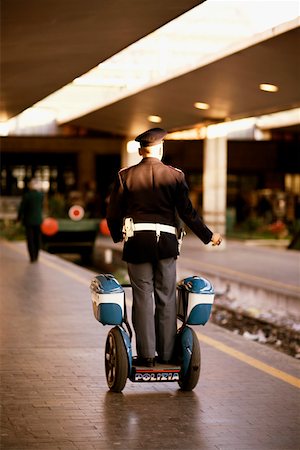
x=154, y=136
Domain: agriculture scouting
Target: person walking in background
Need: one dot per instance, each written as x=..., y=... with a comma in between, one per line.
x=31, y=215
x=142, y=210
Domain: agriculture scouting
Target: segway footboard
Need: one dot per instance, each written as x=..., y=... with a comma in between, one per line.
x=159, y=373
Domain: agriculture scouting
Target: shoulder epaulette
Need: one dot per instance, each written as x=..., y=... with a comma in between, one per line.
x=175, y=168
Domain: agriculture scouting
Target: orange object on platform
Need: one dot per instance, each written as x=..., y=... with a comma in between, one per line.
x=104, y=228
x=49, y=226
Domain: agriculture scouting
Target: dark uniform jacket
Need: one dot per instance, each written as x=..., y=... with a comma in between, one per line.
x=31, y=208
x=152, y=192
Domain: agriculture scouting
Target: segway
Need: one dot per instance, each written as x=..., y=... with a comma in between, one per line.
x=195, y=296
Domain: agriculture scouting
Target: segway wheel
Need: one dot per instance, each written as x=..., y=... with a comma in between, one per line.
x=188, y=381
x=116, y=362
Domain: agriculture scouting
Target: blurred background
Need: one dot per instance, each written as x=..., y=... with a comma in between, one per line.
x=79, y=80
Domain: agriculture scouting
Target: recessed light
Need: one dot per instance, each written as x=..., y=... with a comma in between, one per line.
x=201, y=105
x=268, y=87
x=154, y=119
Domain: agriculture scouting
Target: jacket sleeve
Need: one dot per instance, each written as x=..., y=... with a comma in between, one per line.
x=188, y=214
x=115, y=210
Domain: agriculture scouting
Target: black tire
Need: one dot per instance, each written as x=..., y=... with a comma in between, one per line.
x=190, y=379
x=116, y=362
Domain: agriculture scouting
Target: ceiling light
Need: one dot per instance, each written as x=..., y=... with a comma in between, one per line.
x=201, y=105
x=279, y=119
x=268, y=87
x=190, y=134
x=225, y=128
x=4, y=128
x=154, y=119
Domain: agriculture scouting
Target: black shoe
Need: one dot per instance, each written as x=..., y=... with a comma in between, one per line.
x=147, y=362
x=167, y=361
x=162, y=361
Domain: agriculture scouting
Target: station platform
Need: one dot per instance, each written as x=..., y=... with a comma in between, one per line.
x=54, y=393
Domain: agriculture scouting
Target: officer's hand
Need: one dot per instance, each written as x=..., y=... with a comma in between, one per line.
x=216, y=239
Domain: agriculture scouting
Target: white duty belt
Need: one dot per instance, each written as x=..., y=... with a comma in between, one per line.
x=130, y=227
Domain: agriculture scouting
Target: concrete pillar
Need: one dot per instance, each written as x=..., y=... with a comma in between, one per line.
x=215, y=183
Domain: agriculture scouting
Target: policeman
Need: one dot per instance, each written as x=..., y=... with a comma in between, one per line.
x=142, y=210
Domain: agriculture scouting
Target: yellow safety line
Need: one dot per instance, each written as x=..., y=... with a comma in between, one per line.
x=67, y=272
x=48, y=263
x=220, y=269
x=290, y=379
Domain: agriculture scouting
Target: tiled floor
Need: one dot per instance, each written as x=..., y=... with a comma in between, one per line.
x=54, y=393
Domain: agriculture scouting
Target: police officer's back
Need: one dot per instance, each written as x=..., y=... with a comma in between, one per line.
x=148, y=196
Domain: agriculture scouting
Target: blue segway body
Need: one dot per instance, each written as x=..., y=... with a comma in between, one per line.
x=127, y=344
x=186, y=348
x=108, y=298
x=195, y=296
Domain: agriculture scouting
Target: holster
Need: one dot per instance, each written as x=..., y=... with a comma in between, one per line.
x=180, y=236
x=128, y=229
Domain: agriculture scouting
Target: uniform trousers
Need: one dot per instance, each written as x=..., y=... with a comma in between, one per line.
x=33, y=238
x=154, y=307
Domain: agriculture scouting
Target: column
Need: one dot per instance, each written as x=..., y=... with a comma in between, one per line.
x=215, y=183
